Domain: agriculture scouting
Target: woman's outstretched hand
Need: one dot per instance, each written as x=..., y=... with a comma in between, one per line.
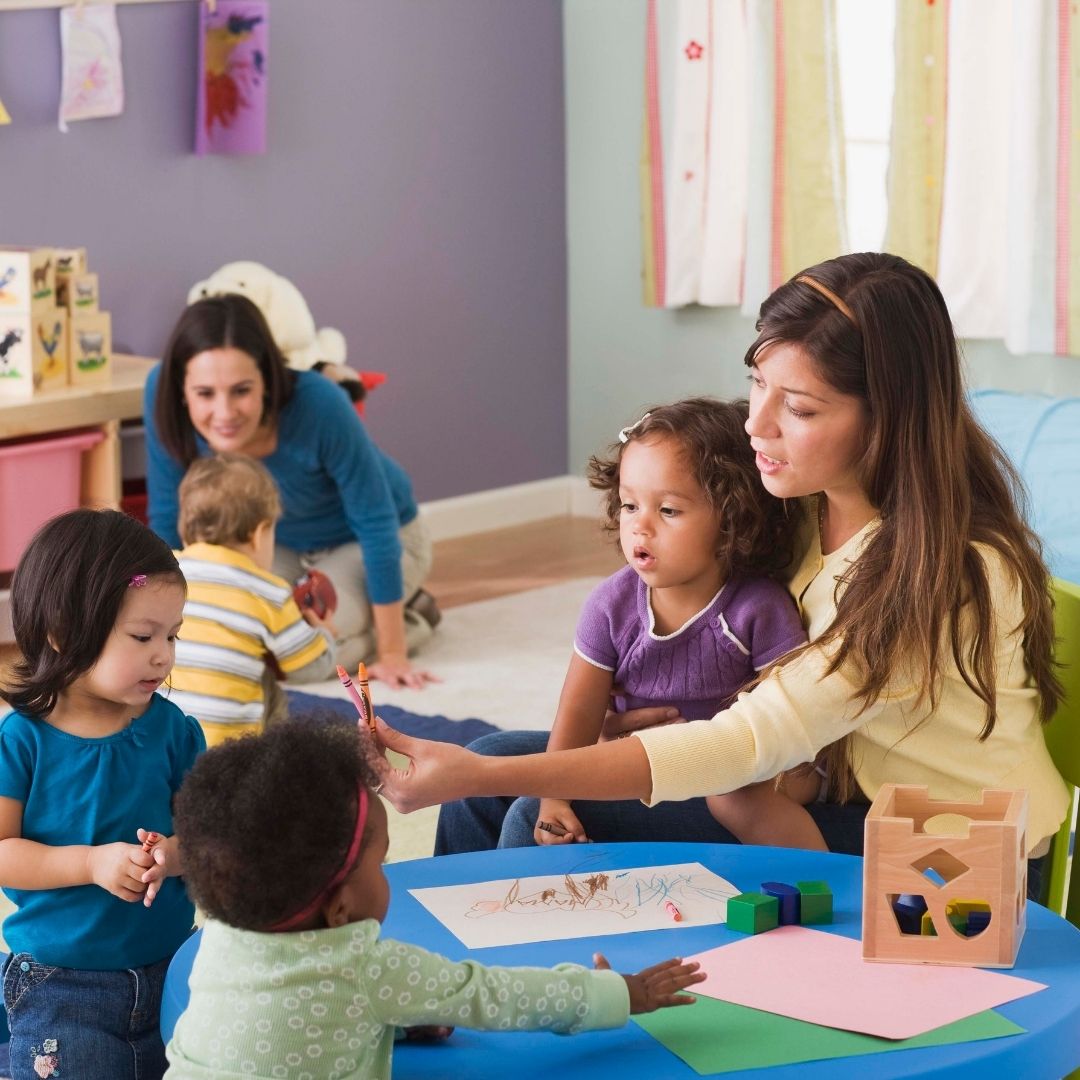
x=437, y=772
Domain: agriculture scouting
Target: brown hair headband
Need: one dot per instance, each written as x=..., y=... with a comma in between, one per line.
x=830, y=296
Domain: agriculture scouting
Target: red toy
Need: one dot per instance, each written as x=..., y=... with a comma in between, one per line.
x=316, y=591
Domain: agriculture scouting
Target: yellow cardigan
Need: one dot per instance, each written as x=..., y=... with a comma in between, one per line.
x=799, y=709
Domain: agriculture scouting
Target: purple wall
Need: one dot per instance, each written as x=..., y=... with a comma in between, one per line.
x=413, y=190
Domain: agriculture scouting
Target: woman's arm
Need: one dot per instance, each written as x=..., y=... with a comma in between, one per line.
x=355, y=465
x=442, y=772
x=393, y=666
x=163, y=473
x=781, y=723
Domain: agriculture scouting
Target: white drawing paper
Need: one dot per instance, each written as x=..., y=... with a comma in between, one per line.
x=589, y=902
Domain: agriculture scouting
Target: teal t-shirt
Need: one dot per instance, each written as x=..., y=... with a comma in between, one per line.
x=97, y=791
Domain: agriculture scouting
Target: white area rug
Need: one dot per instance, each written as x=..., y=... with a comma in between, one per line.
x=501, y=660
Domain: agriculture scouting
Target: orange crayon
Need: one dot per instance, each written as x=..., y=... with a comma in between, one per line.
x=361, y=704
x=673, y=911
x=365, y=693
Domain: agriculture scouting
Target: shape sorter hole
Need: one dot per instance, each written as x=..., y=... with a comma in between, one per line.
x=908, y=910
x=968, y=918
x=940, y=868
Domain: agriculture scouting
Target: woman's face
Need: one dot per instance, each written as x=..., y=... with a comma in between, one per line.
x=808, y=436
x=223, y=394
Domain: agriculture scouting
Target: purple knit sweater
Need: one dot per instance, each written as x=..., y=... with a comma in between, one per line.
x=701, y=666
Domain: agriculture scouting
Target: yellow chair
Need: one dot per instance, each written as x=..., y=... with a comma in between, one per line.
x=1061, y=891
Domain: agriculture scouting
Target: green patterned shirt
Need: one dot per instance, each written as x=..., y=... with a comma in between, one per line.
x=323, y=1004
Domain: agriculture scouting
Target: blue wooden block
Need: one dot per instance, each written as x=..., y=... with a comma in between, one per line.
x=787, y=897
x=908, y=909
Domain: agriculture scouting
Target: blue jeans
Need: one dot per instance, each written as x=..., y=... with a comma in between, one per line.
x=483, y=823
x=92, y=1024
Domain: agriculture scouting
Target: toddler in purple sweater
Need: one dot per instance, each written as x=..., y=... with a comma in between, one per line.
x=696, y=613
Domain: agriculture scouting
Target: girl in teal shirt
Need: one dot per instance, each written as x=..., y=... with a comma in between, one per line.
x=89, y=762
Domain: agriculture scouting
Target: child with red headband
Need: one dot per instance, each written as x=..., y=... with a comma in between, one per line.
x=292, y=969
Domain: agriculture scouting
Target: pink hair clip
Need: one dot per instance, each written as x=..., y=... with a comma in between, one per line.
x=137, y=581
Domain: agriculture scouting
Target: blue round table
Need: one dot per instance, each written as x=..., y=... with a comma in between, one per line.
x=1050, y=953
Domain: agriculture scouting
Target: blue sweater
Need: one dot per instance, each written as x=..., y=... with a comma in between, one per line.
x=336, y=485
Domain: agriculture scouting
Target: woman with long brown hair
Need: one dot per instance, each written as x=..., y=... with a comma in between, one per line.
x=923, y=591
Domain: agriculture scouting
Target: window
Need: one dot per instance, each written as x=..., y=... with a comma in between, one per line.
x=865, y=48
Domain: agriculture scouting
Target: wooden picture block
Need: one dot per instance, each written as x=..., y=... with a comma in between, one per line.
x=16, y=355
x=90, y=347
x=33, y=352
x=753, y=913
x=50, y=345
x=70, y=260
x=77, y=292
x=815, y=904
x=27, y=278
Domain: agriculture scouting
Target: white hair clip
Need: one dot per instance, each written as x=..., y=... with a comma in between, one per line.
x=626, y=432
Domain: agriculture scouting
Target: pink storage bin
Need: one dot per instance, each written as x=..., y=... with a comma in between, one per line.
x=39, y=478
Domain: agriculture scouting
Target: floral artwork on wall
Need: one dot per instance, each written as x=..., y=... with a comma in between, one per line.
x=233, y=78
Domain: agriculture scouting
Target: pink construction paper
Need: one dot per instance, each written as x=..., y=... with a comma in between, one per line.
x=822, y=978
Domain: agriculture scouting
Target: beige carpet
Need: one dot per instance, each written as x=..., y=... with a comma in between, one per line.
x=500, y=660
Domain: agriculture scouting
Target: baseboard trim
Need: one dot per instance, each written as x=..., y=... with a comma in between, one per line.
x=518, y=504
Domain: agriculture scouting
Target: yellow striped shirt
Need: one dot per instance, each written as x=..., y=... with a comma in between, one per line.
x=237, y=616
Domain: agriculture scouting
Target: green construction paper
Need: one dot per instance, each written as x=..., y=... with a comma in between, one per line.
x=714, y=1036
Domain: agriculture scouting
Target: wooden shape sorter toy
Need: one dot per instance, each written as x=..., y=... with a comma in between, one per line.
x=949, y=854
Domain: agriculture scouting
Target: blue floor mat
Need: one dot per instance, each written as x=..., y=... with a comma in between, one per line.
x=439, y=728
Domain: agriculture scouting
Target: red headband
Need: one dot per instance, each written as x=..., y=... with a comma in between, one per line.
x=340, y=874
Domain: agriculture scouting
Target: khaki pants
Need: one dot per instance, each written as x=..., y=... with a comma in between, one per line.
x=344, y=566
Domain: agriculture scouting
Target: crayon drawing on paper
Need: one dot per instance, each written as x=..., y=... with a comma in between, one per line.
x=584, y=903
x=92, y=78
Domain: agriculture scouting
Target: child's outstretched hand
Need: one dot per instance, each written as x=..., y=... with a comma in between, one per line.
x=562, y=824
x=164, y=855
x=658, y=986
x=118, y=869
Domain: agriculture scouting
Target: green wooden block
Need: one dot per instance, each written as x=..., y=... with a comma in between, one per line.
x=815, y=902
x=753, y=913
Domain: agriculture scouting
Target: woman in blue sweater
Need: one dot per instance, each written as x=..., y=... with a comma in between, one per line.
x=349, y=509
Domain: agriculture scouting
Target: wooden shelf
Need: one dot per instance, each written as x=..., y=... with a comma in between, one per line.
x=80, y=406
x=102, y=406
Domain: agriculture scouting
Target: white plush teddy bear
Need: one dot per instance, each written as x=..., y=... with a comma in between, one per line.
x=285, y=310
